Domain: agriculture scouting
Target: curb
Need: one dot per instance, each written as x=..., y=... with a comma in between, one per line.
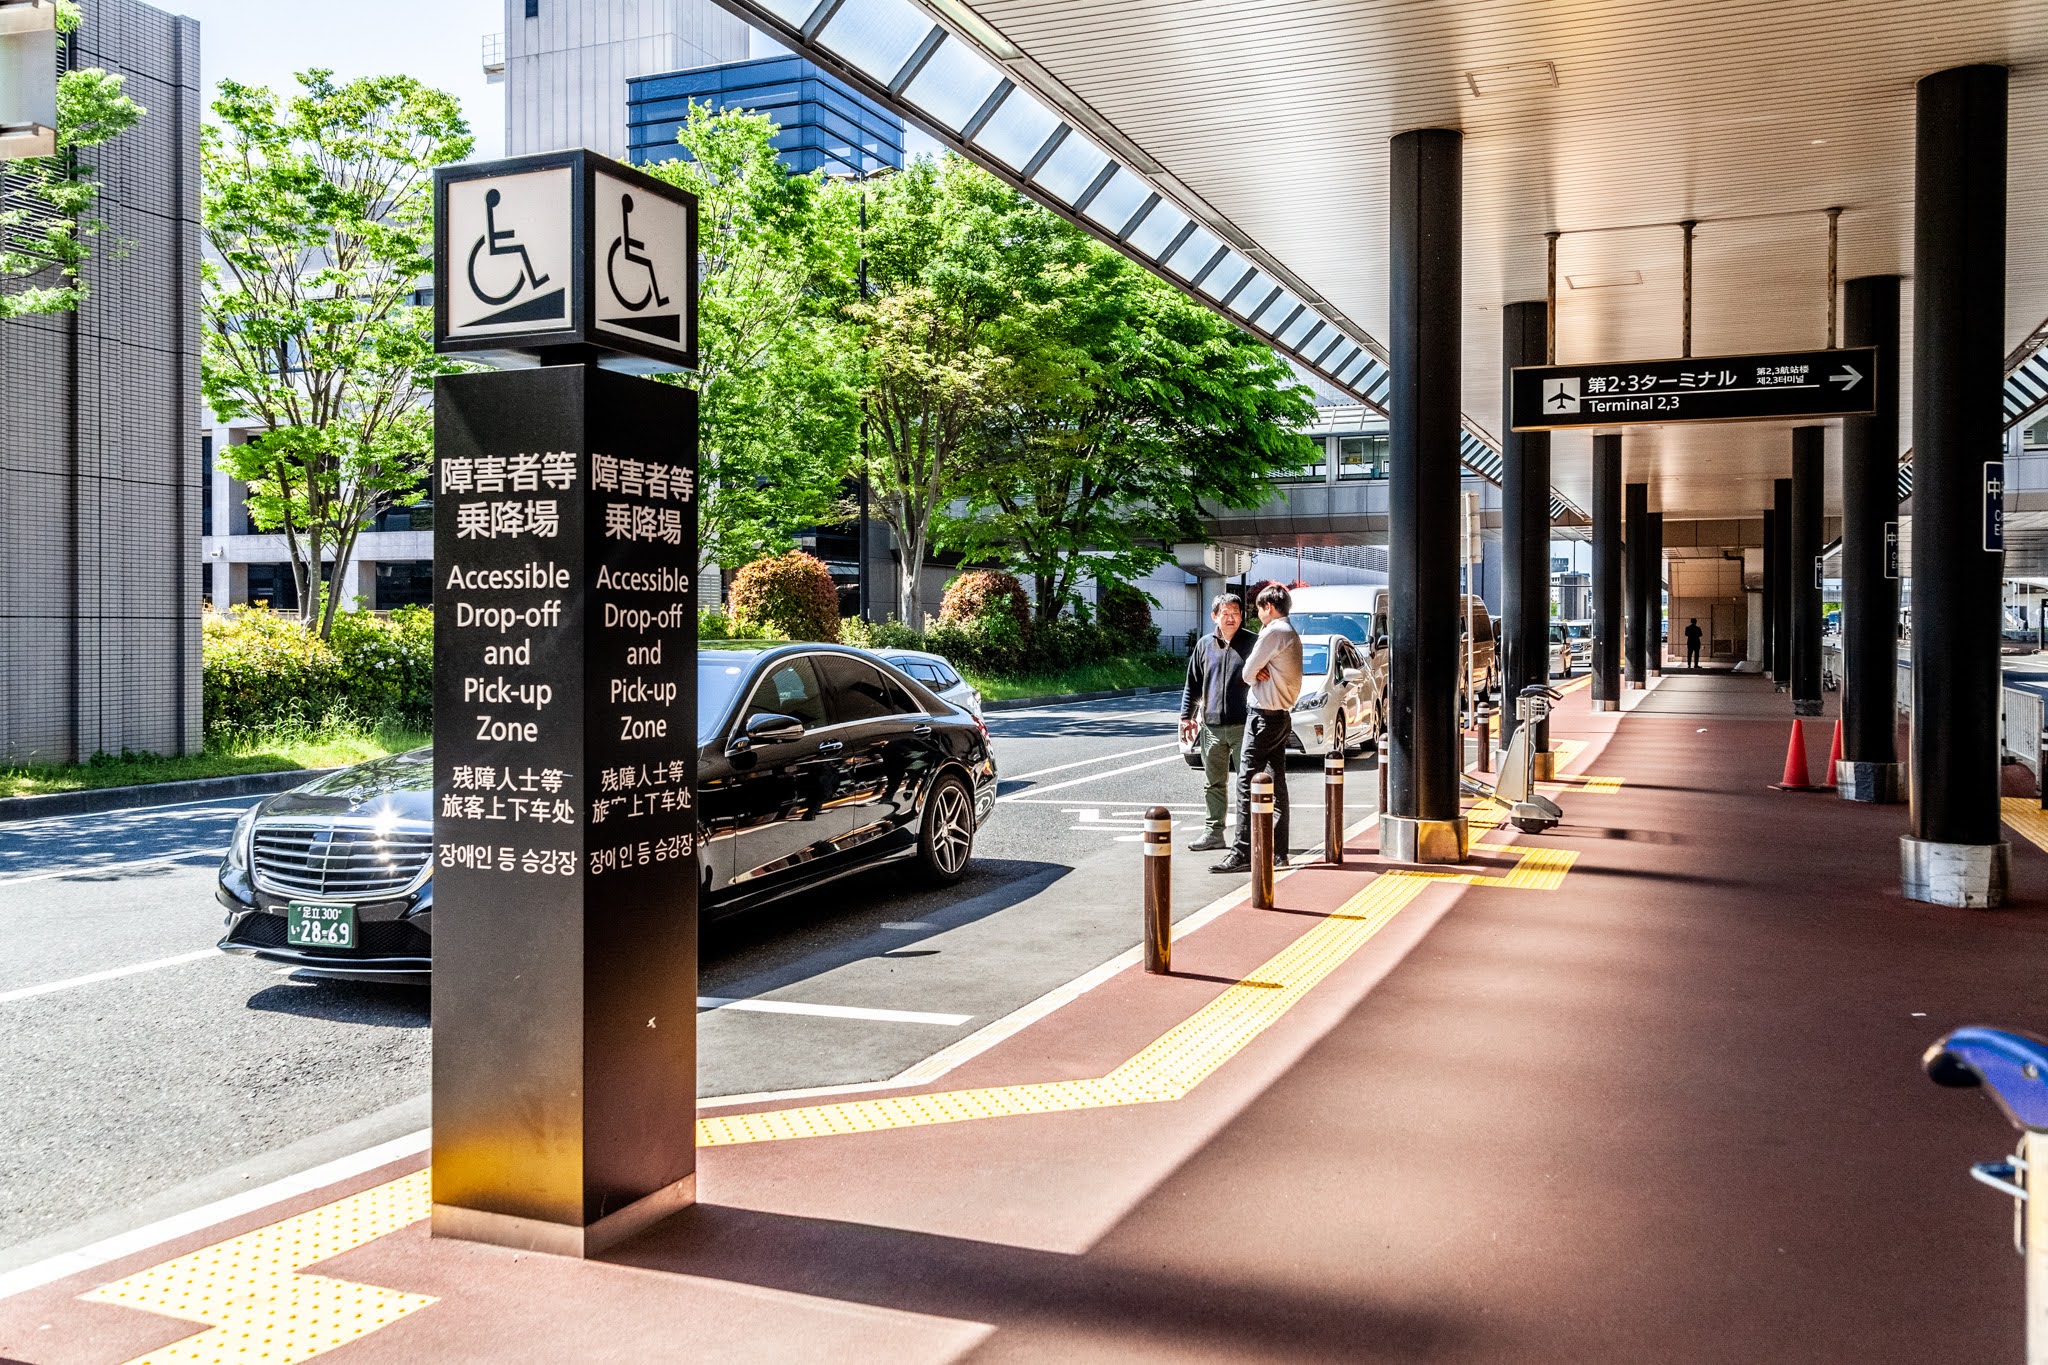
x=154, y=794
x=1060, y=699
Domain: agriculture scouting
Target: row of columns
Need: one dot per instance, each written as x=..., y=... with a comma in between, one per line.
x=1953, y=854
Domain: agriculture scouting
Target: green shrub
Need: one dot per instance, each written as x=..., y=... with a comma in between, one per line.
x=890, y=634
x=981, y=592
x=992, y=643
x=387, y=664
x=714, y=624
x=1125, y=616
x=1067, y=642
x=263, y=671
x=789, y=594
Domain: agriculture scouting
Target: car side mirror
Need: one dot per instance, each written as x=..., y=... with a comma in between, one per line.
x=1379, y=642
x=769, y=728
x=1352, y=675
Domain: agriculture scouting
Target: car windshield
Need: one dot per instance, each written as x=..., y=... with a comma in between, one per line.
x=718, y=680
x=1353, y=626
x=1579, y=632
x=1315, y=660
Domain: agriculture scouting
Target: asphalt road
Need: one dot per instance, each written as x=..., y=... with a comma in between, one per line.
x=142, y=1073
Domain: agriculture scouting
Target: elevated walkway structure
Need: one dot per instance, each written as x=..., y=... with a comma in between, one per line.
x=1641, y=1088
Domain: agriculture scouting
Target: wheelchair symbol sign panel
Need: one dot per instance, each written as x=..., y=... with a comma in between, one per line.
x=640, y=264
x=510, y=253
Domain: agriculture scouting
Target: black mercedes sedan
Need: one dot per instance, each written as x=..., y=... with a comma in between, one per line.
x=813, y=761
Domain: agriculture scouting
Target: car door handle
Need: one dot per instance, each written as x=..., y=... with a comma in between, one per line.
x=830, y=746
x=920, y=729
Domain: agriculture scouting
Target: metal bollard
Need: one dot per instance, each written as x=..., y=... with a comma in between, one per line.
x=1380, y=762
x=1482, y=726
x=1262, y=841
x=1158, y=846
x=1333, y=808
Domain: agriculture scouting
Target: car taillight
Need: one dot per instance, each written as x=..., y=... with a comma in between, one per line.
x=982, y=726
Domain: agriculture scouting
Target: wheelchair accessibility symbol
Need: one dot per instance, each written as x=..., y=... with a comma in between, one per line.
x=645, y=238
x=510, y=238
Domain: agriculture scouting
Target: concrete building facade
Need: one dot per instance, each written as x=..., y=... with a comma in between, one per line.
x=100, y=451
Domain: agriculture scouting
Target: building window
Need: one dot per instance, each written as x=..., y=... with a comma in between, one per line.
x=1362, y=457
x=418, y=517
x=1320, y=469
x=272, y=587
x=206, y=485
x=404, y=583
x=2037, y=435
x=533, y=9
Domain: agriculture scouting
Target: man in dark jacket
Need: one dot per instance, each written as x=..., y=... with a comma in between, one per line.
x=1212, y=708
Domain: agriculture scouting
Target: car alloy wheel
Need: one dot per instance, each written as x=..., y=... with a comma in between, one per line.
x=947, y=840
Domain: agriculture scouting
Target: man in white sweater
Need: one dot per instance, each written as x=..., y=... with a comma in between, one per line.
x=1274, y=667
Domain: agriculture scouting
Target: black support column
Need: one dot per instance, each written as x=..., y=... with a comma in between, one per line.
x=1781, y=583
x=1770, y=594
x=1636, y=527
x=1525, y=534
x=1607, y=572
x=1954, y=855
x=1809, y=489
x=1869, y=769
x=1426, y=244
x=1653, y=561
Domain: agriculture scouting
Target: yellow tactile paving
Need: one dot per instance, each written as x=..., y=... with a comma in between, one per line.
x=2025, y=815
x=258, y=1307
x=249, y=1291
x=1178, y=1061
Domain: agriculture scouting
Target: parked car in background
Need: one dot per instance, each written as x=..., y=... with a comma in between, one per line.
x=1581, y=635
x=1358, y=612
x=935, y=672
x=1560, y=650
x=1478, y=625
x=813, y=761
x=1340, y=706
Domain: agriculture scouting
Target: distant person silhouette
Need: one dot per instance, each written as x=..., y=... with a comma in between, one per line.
x=1692, y=643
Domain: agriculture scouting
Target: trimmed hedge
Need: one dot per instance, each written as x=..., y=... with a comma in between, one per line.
x=1125, y=615
x=263, y=671
x=981, y=592
x=790, y=594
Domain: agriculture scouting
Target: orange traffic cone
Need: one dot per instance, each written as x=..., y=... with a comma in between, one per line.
x=1834, y=756
x=1795, y=778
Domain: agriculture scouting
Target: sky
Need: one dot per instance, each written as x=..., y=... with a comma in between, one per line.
x=262, y=42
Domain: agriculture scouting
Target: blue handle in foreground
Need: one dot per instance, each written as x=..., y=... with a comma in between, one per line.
x=2013, y=1066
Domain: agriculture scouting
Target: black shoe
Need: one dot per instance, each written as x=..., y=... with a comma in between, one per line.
x=1233, y=864
x=1207, y=842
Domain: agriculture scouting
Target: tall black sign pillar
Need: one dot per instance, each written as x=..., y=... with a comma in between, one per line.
x=1770, y=592
x=1426, y=241
x=565, y=733
x=1607, y=572
x=1525, y=535
x=1869, y=769
x=1954, y=855
x=1636, y=527
x=1781, y=582
x=1808, y=490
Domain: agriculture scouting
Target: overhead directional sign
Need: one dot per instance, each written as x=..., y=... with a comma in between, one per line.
x=562, y=254
x=1725, y=388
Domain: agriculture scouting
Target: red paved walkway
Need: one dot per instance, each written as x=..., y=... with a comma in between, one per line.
x=1669, y=1111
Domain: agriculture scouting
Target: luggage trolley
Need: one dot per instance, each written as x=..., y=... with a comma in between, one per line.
x=2013, y=1066
x=1515, y=785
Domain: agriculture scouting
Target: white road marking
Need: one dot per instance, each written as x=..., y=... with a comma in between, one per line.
x=208, y=1215
x=915, y=925
x=87, y=869
x=52, y=987
x=1093, y=777
x=714, y=1002
x=1084, y=762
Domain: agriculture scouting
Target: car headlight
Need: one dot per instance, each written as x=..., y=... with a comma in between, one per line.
x=1312, y=702
x=238, y=842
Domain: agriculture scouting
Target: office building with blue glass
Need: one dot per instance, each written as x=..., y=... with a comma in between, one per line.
x=823, y=124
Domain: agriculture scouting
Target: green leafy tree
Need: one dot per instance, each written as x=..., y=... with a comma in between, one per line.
x=776, y=411
x=957, y=262
x=46, y=222
x=318, y=217
x=1129, y=406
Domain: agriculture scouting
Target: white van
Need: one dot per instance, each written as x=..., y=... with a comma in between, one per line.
x=1358, y=612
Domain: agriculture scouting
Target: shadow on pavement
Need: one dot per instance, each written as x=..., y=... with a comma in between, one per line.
x=370, y=1003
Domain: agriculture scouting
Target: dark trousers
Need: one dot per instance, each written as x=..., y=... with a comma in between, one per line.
x=1265, y=751
x=1692, y=653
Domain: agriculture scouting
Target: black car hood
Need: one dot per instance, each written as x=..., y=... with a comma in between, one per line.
x=401, y=785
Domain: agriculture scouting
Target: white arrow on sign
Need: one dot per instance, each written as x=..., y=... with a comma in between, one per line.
x=1849, y=377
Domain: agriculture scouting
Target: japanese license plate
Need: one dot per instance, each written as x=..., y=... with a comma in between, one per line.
x=310, y=924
